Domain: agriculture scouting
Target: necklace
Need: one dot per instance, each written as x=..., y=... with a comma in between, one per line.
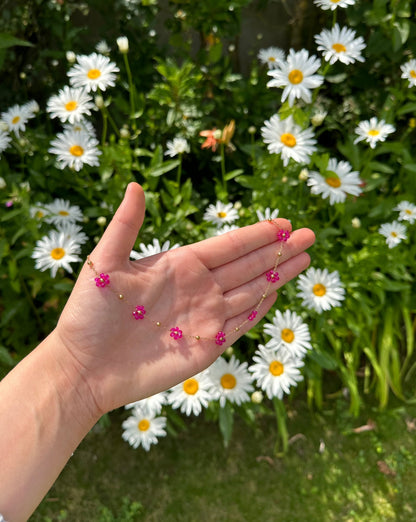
x=139, y=312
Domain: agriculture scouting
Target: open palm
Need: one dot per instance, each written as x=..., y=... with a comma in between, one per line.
x=202, y=289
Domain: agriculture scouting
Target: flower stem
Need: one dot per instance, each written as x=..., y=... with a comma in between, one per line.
x=178, y=176
x=280, y=410
x=131, y=91
x=224, y=181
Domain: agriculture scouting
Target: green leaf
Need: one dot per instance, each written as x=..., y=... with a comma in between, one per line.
x=5, y=357
x=233, y=174
x=226, y=421
x=162, y=169
x=8, y=40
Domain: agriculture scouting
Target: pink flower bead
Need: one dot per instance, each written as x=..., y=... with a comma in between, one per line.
x=176, y=333
x=220, y=338
x=102, y=281
x=272, y=276
x=283, y=235
x=139, y=312
x=252, y=315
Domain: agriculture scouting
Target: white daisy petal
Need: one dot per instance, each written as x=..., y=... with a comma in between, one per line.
x=15, y=118
x=142, y=429
x=271, y=56
x=220, y=213
x=267, y=214
x=93, y=72
x=407, y=211
x=230, y=381
x=340, y=45
x=176, y=147
x=333, y=4
x=55, y=251
x=5, y=140
x=393, y=232
x=288, y=332
x=320, y=290
x=373, y=131
x=191, y=395
x=70, y=105
x=152, y=405
x=152, y=249
x=409, y=72
x=61, y=211
x=74, y=149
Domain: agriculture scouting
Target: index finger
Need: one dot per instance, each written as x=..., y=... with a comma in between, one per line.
x=217, y=251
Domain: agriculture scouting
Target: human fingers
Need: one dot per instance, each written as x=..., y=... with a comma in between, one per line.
x=248, y=295
x=217, y=251
x=121, y=234
x=257, y=262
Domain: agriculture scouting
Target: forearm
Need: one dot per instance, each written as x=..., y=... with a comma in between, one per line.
x=45, y=412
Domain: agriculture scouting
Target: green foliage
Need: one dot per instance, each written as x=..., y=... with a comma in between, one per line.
x=179, y=86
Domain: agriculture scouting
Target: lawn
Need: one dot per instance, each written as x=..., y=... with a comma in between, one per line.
x=338, y=469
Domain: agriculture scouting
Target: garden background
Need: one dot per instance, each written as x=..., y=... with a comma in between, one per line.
x=337, y=441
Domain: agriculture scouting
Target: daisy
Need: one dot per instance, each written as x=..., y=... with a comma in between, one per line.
x=338, y=181
x=220, y=213
x=70, y=105
x=407, y=211
x=297, y=76
x=373, y=131
x=393, y=232
x=102, y=47
x=93, y=72
x=275, y=371
x=38, y=211
x=177, y=147
x=191, y=395
x=230, y=381
x=288, y=139
x=81, y=126
x=225, y=228
x=268, y=214
x=61, y=211
x=5, y=140
x=289, y=332
x=409, y=72
x=152, y=405
x=152, y=249
x=15, y=118
x=271, y=56
x=54, y=251
x=142, y=429
x=320, y=290
x=32, y=108
x=74, y=149
x=340, y=44
x=72, y=231
x=333, y=4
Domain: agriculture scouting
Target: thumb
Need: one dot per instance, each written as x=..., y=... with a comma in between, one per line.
x=121, y=234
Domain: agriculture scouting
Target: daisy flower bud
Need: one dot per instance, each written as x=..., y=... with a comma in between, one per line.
x=123, y=44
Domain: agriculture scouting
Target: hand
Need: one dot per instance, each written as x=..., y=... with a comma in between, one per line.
x=202, y=288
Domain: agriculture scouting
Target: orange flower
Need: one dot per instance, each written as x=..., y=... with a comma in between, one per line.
x=211, y=139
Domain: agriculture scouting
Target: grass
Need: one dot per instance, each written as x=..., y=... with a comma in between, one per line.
x=331, y=473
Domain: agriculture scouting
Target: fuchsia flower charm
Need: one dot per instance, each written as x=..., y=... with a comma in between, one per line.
x=103, y=280
x=139, y=312
x=252, y=315
x=176, y=333
x=220, y=338
x=272, y=276
x=283, y=235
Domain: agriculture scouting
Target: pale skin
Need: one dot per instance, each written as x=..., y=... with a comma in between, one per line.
x=99, y=358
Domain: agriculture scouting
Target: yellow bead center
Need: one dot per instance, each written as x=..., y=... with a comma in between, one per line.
x=287, y=335
x=295, y=76
x=228, y=381
x=319, y=289
x=222, y=215
x=57, y=253
x=333, y=181
x=373, y=132
x=143, y=425
x=288, y=139
x=15, y=120
x=71, y=106
x=339, y=48
x=76, y=150
x=190, y=386
x=276, y=368
x=93, y=74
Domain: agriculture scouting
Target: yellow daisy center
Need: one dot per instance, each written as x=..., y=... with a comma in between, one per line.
x=288, y=139
x=335, y=1
x=143, y=425
x=333, y=181
x=71, y=106
x=339, y=48
x=273, y=59
x=276, y=368
x=76, y=150
x=39, y=214
x=228, y=381
x=287, y=335
x=63, y=213
x=413, y=73
x=319, y=289
x=190, y=386
x=408, y=212
x=222, y=214
x=393, y=234
x=93, y=74
x=57, y=253
x=373, y=132
x=295, y=76
x=15, y=120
